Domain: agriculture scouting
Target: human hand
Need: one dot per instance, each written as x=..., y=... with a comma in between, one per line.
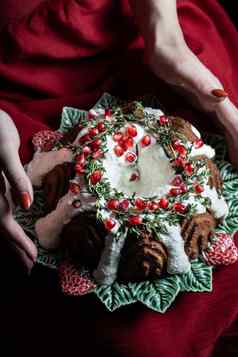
x=171, y=59
x=12, y=175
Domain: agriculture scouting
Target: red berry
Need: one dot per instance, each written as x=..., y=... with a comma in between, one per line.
x=198, y=188
x=109, y=224
x=95, y=177
x=95, y=145
x=198, y=143
x=179, y=207
x=84, y=138
x=87, y=150
x=131, y=131
x=135, y=220
x=134, y=177
x=124, y=205
x=127, y=142
x=181, y=150
x=131, y=156
x=117, y=136
x=175, y=191
x=101, y=127
x=163, y=120
x=179, y=162
x=119, y=151
x=146, y=140
x=177, y=181
x=108, y=112
x=98, y=154
x=80, y=159
x=153, y=206
x=91, y=115
x=140, y=204
x=74, y=187
x=76, y=203
x=113, y=204
x=189, y=168
x=163, y=203
x=80, y=170
x=93, y=132
x=183, y=188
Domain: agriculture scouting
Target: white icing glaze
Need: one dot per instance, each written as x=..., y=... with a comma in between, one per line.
x=205, y=150
x=178, y=262
x=218, y=204
x=44, y=162
x=106, y=272
x=196, y=132
x=49, y=228
x=153, y=165
x=156, y=112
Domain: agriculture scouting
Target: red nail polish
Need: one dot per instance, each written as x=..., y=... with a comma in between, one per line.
x=25, y=200
x=219, y=93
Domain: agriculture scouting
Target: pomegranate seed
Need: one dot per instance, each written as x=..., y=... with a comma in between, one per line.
x=183, y=188
x=127, y=142
x=93, y=132
x=189, y=168
x=87, y=150
x=179, y=207
x=131, y=156
x=74, y=187
x=181, y=150
x=198, y=143
x=80, y=159
x=124, y=205
x=84, y=139
x=131, y=131
x=146, y=140
x=153, y=206
x=163, y=120
x=109, y=224
x=175, y=192
x=140, y=204
x=95, y=145
x=101, y=127
x=108, y=112
x=179, y=162
x=117, y=136
x=76, y=203
x=177, y=181
x=119, y=151
x=198, y=188
x=95, y=177
x=135, y=220
x=163, y=203
x=98, y=154
x=134, y=177
x=113, y=204
x=80, y=170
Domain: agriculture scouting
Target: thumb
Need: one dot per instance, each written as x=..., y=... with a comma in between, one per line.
x=17, y=177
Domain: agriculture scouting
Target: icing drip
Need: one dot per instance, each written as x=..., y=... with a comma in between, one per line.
x=44, y=162
x=178, y=262
x=49, y=228
x=106, y=272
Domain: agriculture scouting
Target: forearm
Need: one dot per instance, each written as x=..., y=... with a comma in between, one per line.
x=158, y=22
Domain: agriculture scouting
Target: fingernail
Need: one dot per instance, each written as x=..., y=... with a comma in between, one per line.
x=25, y=200
x=219, y=93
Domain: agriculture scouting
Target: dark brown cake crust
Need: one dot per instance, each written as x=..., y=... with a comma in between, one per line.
x=82, y=240
x=143, y=258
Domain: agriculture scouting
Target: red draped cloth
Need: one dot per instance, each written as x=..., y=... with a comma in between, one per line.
x=69, y=52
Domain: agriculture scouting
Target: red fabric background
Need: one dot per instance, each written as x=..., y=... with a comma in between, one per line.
x=68, y=52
